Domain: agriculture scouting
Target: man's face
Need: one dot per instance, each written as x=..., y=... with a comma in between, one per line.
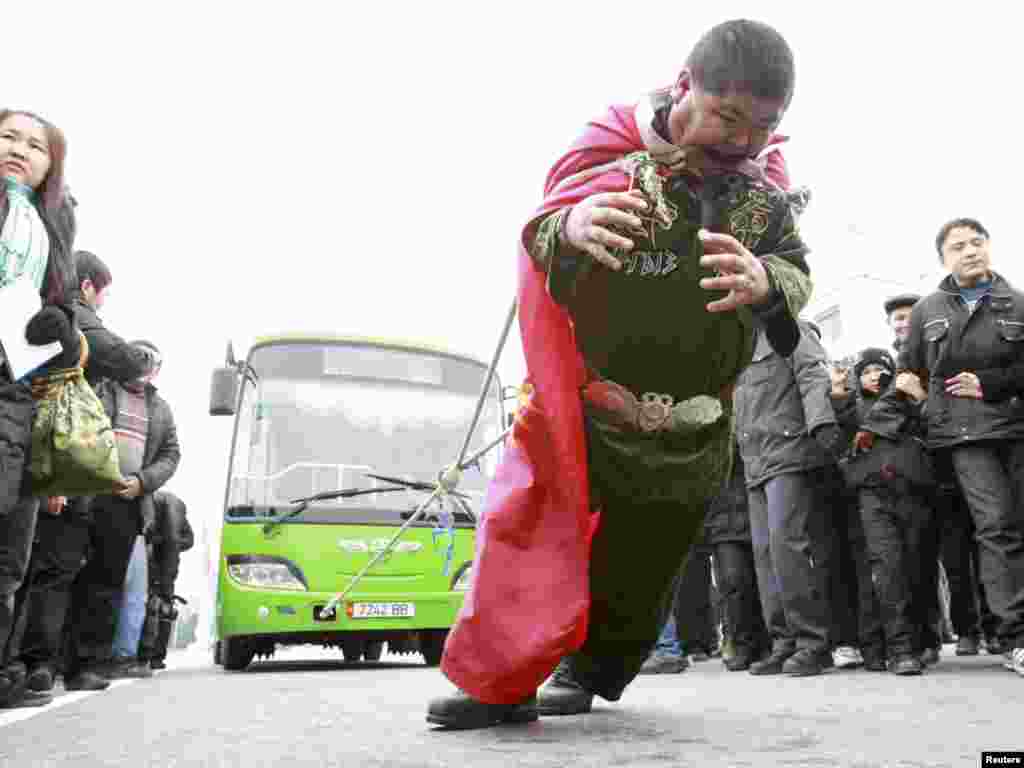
x=24, y=150
x=965, y=253
x=870, y=377
x=729, y=127
x=899, y=321
x=93, y=298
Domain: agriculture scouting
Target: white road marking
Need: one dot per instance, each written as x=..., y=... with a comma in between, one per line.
x=11, y=716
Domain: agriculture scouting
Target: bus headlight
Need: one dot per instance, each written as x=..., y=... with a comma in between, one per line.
x=266, y=572
x=462, y=576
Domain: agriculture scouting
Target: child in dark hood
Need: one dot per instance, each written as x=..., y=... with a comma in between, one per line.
x=890, y=473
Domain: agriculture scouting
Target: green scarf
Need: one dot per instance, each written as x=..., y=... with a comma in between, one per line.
x=24, y=244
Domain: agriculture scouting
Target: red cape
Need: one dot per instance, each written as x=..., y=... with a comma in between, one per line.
x=528, y=602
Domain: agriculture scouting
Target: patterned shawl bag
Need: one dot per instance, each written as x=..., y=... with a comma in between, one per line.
x=528, y=602
x=74, y=451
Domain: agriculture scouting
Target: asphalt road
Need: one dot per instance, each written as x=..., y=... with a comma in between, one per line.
x=307, y=708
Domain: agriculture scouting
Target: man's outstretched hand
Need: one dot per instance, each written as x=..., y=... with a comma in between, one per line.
x=739, y=272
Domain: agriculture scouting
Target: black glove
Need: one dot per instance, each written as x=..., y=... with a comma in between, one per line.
x=830, y=438
x=56, y=323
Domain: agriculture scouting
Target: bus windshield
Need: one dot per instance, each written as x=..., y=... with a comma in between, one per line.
x=318, y=417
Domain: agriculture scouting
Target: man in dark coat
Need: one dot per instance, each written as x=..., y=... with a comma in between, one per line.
x=789, y=441
x=67, y=531
x=167, y=537
x=965, y=355
x=149, y=454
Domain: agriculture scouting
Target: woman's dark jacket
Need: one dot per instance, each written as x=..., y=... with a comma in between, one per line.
x=16, y=404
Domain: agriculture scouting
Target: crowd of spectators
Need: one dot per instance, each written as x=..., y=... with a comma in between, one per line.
x=875, y=513
x=86, y=583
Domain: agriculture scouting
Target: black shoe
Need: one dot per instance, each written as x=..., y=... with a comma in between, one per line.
x=157, y=664
x=128, y=668
x=86, y=681
x=771, y=664
x=967, y=645
x=874, y=661
x=930, y=657
x=996, y=647
x=26, y=698
x=905, y=664
x=664, y=664
x=40, y=679
x=741, y=660
x=699, y=656
x=805, y=663
x=461, y=711
x=563, y=695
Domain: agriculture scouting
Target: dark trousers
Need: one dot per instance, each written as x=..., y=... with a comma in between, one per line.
x=696, y=624
x=96, y=593
x=62, y=545
x=17, y=532
x=991, y=475
x=969, y=612
x=742, y=617
x=792, y=540
x=856, y=620
x=898, y=527
x=635, y=556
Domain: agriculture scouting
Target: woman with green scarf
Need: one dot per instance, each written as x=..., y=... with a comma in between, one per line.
x=36, y=233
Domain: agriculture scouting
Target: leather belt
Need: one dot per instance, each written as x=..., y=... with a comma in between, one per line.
x=653, y=411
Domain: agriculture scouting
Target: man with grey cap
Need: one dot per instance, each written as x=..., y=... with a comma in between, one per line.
x=897, y=314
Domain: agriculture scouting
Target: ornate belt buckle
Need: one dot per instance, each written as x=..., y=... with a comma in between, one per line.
x=655, y=410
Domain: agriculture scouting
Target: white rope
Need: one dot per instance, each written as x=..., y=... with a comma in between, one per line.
x=448, y=478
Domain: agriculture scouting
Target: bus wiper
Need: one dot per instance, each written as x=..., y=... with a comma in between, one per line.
x=304, y=503
x=416, y=485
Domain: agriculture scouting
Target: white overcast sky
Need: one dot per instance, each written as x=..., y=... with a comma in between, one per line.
x=246, y=168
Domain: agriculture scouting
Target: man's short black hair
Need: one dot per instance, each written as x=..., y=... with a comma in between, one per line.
x=89, y=266
x=746, y=57
x=949, y=226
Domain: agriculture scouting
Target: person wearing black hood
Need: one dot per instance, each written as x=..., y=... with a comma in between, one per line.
x=891, y=473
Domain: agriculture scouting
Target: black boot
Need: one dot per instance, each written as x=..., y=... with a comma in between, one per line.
x=905, y=664
x=805, y=663
x=86, y=680
x=40, y=679
x=460, y=711
x=968, y=645
x=13, y=691
x=563, y=695
x=773, y=663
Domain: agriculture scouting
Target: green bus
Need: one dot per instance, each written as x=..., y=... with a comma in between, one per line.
x=378, y=419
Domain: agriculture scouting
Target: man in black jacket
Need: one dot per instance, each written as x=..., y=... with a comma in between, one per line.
x=67, y=531
x=969, y=613
x=149, y=453
x=965, y=354
x=788, y=438
x=167, y=536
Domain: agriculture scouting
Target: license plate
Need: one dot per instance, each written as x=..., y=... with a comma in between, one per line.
x=381, y=610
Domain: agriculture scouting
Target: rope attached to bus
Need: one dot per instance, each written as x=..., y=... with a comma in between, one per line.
x=447, y=480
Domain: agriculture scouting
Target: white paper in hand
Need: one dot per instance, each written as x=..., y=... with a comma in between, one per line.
x=19, y=302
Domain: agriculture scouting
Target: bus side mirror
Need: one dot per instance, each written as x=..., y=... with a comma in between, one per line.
x=223, y=392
